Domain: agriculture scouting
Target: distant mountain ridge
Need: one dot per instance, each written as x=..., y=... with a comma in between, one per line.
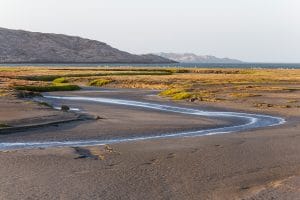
x=18, y=46
x=193, y=58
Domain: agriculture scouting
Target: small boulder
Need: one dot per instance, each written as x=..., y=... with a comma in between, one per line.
x=98, y=117
x=65, y=108
x=193, y=99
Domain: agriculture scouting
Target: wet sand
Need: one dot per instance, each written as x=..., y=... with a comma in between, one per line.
x=262, y=163
x=16, y=112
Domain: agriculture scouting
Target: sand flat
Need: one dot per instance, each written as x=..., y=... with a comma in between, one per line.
x=229, y=166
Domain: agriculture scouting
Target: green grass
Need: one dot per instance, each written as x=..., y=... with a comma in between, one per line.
x=50, y=88
x=181, y=96
x=176, y=94
x=170, y=92
x=60, y=80
x=99, y=82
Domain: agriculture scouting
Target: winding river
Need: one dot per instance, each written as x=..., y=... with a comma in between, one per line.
x=248, y=121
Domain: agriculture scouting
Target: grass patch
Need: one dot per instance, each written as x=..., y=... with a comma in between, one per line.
x=170, y=92
x=99, y=82
x=40, y=78
x=124, y=69
x=45, y=104
x=181, y=96
x=50, y=88
x=54, y=77
x=4, y=125
x=60, y=80
x=244, y=95
x=176, y=94
x=2, y=93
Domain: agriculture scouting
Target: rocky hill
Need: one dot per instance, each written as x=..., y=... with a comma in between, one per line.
x=18, y=46
x=193, y=58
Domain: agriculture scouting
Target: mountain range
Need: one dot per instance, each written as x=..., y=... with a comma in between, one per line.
x=193, y=58
x=19, y=46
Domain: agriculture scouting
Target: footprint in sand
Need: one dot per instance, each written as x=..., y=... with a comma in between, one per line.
x=151, y=162
x=171, y=155
x=194, y=150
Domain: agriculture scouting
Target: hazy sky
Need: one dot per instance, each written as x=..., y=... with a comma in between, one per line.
x=251, y=30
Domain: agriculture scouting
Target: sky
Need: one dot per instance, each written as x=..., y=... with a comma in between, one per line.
x=250, y=30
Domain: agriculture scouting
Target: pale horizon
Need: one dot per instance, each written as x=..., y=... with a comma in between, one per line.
x=251, y=31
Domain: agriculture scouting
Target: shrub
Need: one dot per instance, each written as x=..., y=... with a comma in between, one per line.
x=99, y=82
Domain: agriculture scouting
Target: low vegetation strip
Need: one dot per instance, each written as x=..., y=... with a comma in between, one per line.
x=4, y=125
x=244, y=95
x=99, y=82
x=176, y=94
x=60, y=80
x=124, y=69
x=182, y=95
x=170, y=92
x=54, y=77
x=50, y=88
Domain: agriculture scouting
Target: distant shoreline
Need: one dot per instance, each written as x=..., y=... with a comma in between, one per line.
x=163, y=65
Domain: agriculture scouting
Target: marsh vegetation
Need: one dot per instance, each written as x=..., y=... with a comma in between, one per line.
x=256, y=87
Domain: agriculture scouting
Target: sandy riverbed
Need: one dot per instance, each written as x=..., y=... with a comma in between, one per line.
x=260, y=163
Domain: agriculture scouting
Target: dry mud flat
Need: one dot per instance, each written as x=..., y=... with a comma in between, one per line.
x=257, y=164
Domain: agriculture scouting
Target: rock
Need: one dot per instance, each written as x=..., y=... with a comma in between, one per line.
x=193, y=99
x=98, y=117
x=65, y=108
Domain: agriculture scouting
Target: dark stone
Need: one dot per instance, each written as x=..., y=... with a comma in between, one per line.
x=65, y=108
x=98, y=117
x=193, y=99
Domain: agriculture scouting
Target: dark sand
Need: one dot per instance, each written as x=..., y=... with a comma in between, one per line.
x=257, y=164
x=16, y=112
